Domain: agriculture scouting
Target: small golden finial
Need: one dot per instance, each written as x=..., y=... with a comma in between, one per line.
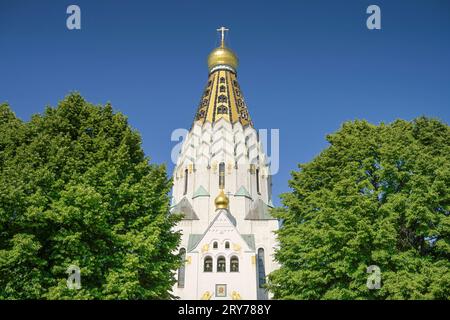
x=206, y=296
x=222, y=30
x=235, y=295
x=221, y=200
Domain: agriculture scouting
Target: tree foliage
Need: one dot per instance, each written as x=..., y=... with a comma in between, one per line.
x=76, y=189
x=378, y=195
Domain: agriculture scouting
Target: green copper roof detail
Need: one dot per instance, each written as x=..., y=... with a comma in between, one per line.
x=201, y=192
x=242, y=192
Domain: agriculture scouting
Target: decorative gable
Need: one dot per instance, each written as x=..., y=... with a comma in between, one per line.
x=223, y=227
x=201, y=192
x=242, y=192
x=184, y=207
x=259, y=211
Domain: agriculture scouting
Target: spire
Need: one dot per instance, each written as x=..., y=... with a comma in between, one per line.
x=222, y=97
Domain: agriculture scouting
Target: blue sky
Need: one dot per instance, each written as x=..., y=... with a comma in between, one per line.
x=305, y=66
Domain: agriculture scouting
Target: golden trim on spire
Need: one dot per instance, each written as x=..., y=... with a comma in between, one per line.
x=223, y=98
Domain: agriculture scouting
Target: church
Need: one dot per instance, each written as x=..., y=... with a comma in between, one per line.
x=222, y=188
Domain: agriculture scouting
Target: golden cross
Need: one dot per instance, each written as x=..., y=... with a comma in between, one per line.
x=222, y=30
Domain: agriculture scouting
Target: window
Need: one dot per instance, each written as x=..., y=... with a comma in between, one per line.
x=201, y=114
x=227, y=245
x=222, y=80
x=222, y=88
x=261, y=268
x=221, y=265
x=222, y=175
x=221, y=290
x=234, y=264
x=186, y=173
x=208, y=264
x=222, y=110
x=222, y=98
x=182, y=269
x=215, y=245
x=257, y=181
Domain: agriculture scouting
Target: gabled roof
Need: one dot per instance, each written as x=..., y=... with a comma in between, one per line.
x=227, y=213
x=259, y=211
x=250, y=239
x=193, y=240
x=201, y=192
x=184, y=207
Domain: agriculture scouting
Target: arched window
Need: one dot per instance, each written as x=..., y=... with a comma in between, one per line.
x=221, y=264
x=257, y=181
x=215, y=245
x=222, y=88
x=234, y=264
x=182, y=269
x=227, y=245
x=186, y=172
x=261, y=268
x=208, y=264
x=222, y=175
x=222, y=98
x=222, y=80
x=222, y=109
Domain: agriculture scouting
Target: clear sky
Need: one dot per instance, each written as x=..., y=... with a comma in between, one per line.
x=305, y=66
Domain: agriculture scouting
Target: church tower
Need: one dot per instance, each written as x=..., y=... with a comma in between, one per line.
x=222, y=187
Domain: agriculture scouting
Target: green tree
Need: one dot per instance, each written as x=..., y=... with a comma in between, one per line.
x=378, y=195
x=76, y=189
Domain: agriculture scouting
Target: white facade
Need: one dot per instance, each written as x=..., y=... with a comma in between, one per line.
x=247, y=225
x=237, y=242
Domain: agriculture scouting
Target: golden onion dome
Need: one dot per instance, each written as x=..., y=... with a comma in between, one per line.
x=221, y=201
x=222, y=56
